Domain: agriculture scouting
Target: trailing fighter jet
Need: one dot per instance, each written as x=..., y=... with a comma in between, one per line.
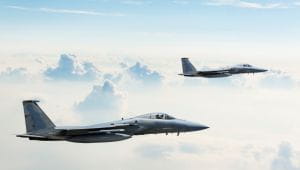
x=190, y=71
x=40, y=127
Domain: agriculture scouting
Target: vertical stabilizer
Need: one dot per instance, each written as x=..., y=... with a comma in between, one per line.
x=187, y=66
x=35, y=117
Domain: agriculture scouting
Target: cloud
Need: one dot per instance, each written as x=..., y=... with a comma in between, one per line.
x=66, y=11
x=112, y=77
x=10, y=74
x=269, y=80
x=104, y=102
x=17, y=7
x=297, y=3
x=277, y=79
x=225, y=82
x=189, y=148
x=283, y=160
x=135, y=2
x=246, y=4
x=69, y=68
x=155, y=151
x=143, y=74
x=79, y=12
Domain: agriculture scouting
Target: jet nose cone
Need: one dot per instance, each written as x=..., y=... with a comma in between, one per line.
x=196, y=126
x=263, y=70
x=259, y=70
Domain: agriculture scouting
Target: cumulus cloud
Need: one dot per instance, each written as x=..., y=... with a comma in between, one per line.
x=13, y=74
x=283, y=160
x=277, y=79
x=70, y=68
x=143, y=74
x=103, y=102
x=113, y=77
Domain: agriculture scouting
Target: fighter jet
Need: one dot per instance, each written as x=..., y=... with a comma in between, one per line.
x=190, y=71
x=40, y=127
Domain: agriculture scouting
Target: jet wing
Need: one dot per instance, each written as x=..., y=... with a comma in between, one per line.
x=213, y=72
x=112, y=128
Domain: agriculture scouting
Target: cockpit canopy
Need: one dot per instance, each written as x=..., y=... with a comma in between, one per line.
x=157, y=116
x=246, y=65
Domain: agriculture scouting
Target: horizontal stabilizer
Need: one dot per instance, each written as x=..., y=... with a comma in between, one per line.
x=31, y=136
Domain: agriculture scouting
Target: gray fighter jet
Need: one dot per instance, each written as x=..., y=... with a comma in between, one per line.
x=190, y=71
x=40, y=127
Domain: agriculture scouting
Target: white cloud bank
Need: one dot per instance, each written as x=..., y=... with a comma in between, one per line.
x=216, y=107
x=70, y=68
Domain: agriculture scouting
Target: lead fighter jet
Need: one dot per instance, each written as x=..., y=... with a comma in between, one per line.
x=190, y=71
x=40, y=127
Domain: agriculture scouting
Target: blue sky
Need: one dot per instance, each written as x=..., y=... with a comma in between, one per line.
x=136, y=22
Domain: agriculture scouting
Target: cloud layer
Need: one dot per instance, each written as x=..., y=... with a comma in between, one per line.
x=243, y=146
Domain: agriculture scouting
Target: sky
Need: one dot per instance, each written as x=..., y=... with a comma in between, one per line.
x=93, y=61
